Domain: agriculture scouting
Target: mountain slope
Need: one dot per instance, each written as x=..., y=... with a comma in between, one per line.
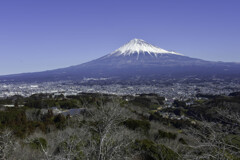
x=136, y=59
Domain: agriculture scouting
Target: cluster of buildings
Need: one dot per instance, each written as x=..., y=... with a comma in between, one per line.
x=176, y=91
x=180, y=91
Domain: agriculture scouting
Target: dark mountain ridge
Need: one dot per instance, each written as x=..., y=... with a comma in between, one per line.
x=135, y=59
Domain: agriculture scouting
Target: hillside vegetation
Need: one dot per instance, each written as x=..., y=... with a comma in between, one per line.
x=105, y=127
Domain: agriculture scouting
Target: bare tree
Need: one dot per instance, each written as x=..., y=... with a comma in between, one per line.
x=230, y=116
x=6, y=144
x=109, y=138
x=211, y=142
x=100, y=135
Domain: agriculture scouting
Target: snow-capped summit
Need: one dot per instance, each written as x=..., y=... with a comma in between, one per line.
x=140, y=46
x=136, y=61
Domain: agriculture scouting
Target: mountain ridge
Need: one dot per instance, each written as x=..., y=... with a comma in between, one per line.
x=136, y=58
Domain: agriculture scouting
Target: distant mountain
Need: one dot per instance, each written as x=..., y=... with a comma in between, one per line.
x=136, y=59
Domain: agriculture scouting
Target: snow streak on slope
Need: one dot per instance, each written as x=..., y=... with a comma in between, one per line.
x=140, y=46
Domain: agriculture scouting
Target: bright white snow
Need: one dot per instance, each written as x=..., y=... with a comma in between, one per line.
x=138, y=46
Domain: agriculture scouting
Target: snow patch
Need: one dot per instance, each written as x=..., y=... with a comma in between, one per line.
x=140, y=46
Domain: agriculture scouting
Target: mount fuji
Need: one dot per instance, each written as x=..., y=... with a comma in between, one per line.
x=136, y=60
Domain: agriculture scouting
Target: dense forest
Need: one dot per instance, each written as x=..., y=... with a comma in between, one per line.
x=91, y=126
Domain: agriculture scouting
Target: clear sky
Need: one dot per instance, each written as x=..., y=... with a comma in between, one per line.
x=38, y=35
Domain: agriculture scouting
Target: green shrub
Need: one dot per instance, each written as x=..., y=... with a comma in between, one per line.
x=153, y=151
x=181, y=140
x=38, y=143
x=60, y=121
x=169, y=135
x=14, y=119
x=137, y=124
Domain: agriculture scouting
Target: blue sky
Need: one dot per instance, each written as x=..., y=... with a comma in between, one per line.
x=48, y=34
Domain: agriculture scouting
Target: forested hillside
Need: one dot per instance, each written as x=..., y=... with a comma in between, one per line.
x=105, y=127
